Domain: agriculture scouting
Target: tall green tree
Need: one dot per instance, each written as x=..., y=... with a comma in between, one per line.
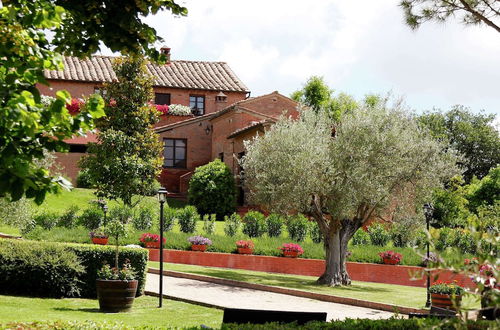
x=473, y=135
x=377, y=156
x=126, y=161
x=27, y=126
x=469, y=12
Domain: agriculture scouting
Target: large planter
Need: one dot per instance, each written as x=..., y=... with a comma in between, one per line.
x=116, y=295
x=198, y=247
x=291, y=254
x=152, y=245
x=100, y=241
x=388, y=261
x=445, y=300
x=245, y=250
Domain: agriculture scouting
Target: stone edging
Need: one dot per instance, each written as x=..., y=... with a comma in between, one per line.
x=292, y=292
x=2, y=235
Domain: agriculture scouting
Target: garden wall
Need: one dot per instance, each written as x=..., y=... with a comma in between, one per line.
x=366, y=272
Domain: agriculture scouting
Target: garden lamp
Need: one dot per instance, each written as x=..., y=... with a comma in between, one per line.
x=428, y=210
x=105, y=210
x=162, y=198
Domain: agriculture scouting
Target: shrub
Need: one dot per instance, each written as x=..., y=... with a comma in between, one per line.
x=92, y=217
x=46, y=220
x=17, y=214
x=445, y=239
x=144, y=219
x=254, y=224
x=274, y=225
x=209, y=223
x=169, y=218
x=152, y=190
x=232, y=224
x=297, y=227
x=122, y=213
x=187, y=217
x=361, y=237
x=464, y=241
x=83, y=179
x=39, y=269
x=212, y=189
x=401, y=235
x=378, y=235
x=315, y=232
x=69, y=219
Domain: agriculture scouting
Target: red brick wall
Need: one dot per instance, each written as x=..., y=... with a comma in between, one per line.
x=67, y=163
x=273, y=105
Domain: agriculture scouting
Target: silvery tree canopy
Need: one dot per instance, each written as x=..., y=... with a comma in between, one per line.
x=343, y=174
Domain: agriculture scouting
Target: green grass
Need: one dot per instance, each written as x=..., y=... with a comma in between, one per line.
x=145, y=312
x=399, y=295
x=6, y=229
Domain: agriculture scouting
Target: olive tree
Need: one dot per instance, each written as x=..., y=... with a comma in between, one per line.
x=342, y=175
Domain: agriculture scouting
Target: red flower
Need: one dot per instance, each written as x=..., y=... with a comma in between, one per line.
x=74, y=106
x=162, y=108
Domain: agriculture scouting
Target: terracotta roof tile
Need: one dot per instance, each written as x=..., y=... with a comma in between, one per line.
x=253, y=124
x=178, y=74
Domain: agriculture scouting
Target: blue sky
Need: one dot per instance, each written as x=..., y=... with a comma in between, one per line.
x=358, y=46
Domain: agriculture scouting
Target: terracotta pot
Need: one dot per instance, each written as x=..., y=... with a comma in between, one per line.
x=198, y=247
x=444, y=300
x=389, y=261
x=116, y=295
x=100, y=241
x=245, y=250
x=291, y=254
x=152, y=245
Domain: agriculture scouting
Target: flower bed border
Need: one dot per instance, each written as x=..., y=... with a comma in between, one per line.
x=365, y=272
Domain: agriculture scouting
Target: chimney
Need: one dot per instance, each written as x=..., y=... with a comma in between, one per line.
x=220, y=101
x=164, y=50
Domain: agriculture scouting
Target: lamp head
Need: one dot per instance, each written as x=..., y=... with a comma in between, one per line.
x=162, y=194
x=428, y=209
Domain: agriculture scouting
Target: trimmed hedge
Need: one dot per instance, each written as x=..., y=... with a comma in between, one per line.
x=60, y=269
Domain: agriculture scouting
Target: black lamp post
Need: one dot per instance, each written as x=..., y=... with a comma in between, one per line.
x=428, y=210
x=162, y=198
x=105, y=210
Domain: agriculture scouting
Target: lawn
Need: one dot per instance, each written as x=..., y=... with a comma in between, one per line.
x=144, y=313
x=399, y=295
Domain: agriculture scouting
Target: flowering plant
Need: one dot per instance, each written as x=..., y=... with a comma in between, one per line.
x=391, y=255
x=162, y=108
x=291, y=247
x=74, y=106
x=199, y=240
x=446, y=287
x=148, y=237
x=98, y=234
x=245, y=244
x=126, y=273
x=179, y=110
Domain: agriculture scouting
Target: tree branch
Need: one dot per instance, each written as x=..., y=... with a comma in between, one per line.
x=482, y=18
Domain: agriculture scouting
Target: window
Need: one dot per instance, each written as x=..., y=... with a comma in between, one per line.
x=162, y=98
x=197, y=104
x=174, y=153
x=221, y=156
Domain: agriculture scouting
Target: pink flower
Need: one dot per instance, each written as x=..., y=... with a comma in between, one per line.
x=162, y=108
x=74, y=106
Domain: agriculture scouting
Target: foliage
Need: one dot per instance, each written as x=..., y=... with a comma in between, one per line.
x=92, y=217
x=472, y=135
x=199, y=240
x=274, y=224
x=291, y=247
x=361, y=237
x=450, y=205
x=297, y=226
x=126, y=273
x=254, y=224
x=446, y=287
x=378, y=234
x=232, y=224
x=315, y=232
x=169, y=218
x=209, y=223
x=187, y=218
x=402, y=234
x=46, y=220
x=117, y=227
x=347, y=178
x=391, y=255
x=125, y=161
x=39, y=269
x=17, y=214
x=469, y=12
x=212, y=189
x=149, y=237
x=69, y=218
x=485, y=191
x=99, y=233
x=245, y=244
x=144, y=219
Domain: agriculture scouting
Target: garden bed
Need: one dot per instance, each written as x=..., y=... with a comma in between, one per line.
x=366, y=272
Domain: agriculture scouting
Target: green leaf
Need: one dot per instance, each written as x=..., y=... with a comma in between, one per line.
x=64, y=96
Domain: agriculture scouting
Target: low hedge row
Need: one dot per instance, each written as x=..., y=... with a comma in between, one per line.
x=60, y=269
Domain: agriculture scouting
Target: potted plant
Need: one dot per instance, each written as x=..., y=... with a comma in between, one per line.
x=116, y=288
x=199, y=243
x=390, y=257
x=291, y=250
x=151, y=241
x=446, y=294
x=98, y=237
x=245, y=247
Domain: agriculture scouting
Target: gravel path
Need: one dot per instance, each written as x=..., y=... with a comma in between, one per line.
x=227, y=296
